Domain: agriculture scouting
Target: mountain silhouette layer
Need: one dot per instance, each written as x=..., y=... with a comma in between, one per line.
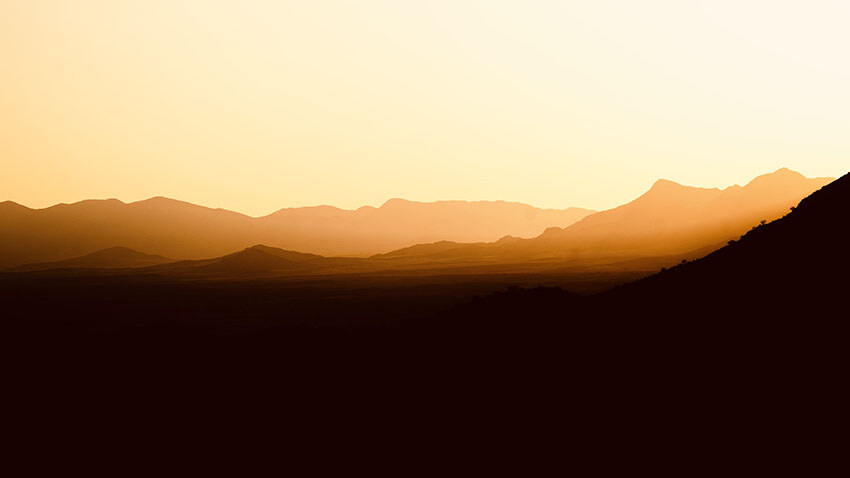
x=186, y=231
x=766, y=307
x=754, y=329
x=258, y=260
x=111, y=258
x=795, y=265
x=671, y=218
x=784, y=277
x=668, y=220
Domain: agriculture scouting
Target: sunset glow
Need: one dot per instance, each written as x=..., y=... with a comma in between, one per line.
x=253, y=106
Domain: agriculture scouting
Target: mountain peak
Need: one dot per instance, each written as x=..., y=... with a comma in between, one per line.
x=263, y=248
x=282, y=253
x=508, y=239
x=663, y=184
x=159, y=200
x=786, y=171
x=780, y=176
x=395, y=202
x=12, y=205
x=667, y=190
x=118, y=253
x=117, y=250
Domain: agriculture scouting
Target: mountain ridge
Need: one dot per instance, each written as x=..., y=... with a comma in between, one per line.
x=184, y=230
x=668, y=219
x=117, y=257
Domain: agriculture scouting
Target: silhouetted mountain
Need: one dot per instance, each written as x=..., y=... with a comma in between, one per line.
x=366, y=231
x=784, y=278
x=186, y=231
x=112, y=258
x=257, y=260
x=422, y=250
x=253, y=259
x=754, y=332
x=671, y=218
x=157, y=225
x=12, y=209
x=447, y=249
x=795, y=265
x=291, y=256
x=668, y=220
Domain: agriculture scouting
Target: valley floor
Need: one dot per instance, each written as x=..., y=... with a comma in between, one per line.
x=62, y=301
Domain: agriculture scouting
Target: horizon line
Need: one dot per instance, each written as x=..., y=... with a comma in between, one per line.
x=386, y=202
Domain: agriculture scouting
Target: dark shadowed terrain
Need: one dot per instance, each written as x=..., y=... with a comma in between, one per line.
x=782, y=280
x=750, y=338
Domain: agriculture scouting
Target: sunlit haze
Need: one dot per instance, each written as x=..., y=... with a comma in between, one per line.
x=253, y=106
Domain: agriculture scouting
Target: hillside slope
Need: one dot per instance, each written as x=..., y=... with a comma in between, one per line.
x=784, y=277
x=795, y=265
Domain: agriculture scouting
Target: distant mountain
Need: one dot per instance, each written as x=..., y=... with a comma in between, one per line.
x=158, y=225
x=795, y=265
x=397, y=223
x=254, y=261
x=777, y=292
x=257, y=259
x=671, y=218
x=422, y=250
x=187, y=231
x=668, y=220
x=112, y=258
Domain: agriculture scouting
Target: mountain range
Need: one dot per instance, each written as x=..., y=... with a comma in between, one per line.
x=752, y=333
x=668, y=223
x=777, y=291
x=182, y=230
x=669, y=219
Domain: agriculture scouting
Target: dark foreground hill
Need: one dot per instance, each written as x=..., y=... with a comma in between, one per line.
x=745, y=346
x=776, y=293
x=792, y=269
x=760, y=322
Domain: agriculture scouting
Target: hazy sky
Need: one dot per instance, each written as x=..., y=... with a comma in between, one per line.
x=253, y=106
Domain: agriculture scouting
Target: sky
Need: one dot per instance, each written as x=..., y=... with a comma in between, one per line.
x=257, y=105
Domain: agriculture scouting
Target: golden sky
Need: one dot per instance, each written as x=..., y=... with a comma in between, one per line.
x=257, y=105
